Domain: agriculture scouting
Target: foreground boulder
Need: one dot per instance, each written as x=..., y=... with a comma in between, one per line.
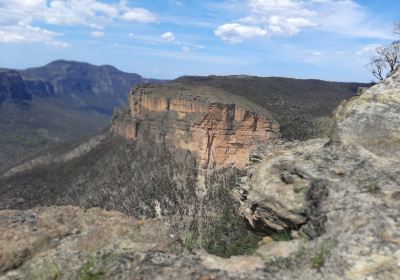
x=60, y=234
x=72, y=243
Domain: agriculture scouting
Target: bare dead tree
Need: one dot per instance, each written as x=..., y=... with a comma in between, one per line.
x=387, y=59
x=377, y=68
x=390, y=55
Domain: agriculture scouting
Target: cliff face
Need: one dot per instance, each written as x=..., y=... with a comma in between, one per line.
x=12, y=87
x=219, y=134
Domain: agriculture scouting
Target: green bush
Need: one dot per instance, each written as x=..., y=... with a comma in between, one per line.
x=225, y=233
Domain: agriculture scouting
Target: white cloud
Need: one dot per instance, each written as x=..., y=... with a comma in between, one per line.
x=28, y=34
x=348, y=18
x=92, y=13
x=289, y=17
x=287, y=7
x=317, y=53
x=168, y=37
x=186, y=49
x=139, y=15
x=368, y=50
x=97, y=34
x=236, y=33
x=290, y=26
x=73, y=12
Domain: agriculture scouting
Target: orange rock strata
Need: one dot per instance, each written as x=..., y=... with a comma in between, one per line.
x=218, y=134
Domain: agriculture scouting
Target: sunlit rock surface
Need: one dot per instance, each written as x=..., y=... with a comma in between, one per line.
x=215, y=129
x=372, y=121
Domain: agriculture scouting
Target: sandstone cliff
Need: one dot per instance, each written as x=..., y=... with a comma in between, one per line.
x=218, y=132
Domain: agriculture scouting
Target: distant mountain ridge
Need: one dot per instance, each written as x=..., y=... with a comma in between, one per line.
x=61, y=101
x=74, y=83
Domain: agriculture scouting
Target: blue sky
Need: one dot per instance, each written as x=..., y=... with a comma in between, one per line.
x=324, y=39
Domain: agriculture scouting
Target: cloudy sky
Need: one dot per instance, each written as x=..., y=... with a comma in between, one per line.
x=325, y=39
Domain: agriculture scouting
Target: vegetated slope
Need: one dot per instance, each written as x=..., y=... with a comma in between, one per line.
x=30, y=127
x=301, y=107
x=144, y=180
x=58, y=102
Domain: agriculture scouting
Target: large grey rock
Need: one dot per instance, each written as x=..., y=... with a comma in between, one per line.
x=371, y=122
x=346, y=190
